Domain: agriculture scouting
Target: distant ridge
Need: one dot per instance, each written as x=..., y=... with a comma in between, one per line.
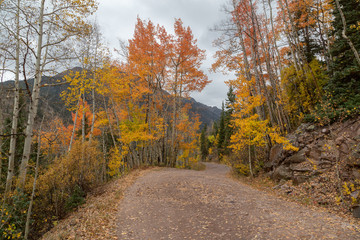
x=53, y=100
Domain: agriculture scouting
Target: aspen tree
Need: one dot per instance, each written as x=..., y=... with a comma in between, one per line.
x=16, y=109
x=62, y=16
x=186, y=59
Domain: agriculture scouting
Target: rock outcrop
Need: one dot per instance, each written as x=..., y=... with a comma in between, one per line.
x=321, y=148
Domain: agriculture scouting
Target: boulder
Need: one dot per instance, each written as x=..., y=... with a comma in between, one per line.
x=299, y=179
x=298, y=157
x=314, y=154
x=302, y=167
x=282, y=172
x=268, y=166
x=276, y=154
x=323, y=164
x=328, y=156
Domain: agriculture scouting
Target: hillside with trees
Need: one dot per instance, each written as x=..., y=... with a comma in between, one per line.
x=119, y=115
x=291, y=113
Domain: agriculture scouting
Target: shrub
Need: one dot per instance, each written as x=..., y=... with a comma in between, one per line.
x=13, y=216
x=64, y=184
x=242, y=169
x=76, y=199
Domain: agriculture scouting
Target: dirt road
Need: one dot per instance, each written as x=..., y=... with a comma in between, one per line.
x=186, y=204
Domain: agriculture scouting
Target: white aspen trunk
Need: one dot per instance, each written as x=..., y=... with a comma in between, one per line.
x=242, y=45
x=299, y=49
x=173, y=133
x=287, y=34
x=323, y=32
x=274, y=37
x=83, y=157
x=93, y=87
x=279, y=108
x=93, y=117
x=83, y=133
x=343, y=20
x=16, y=109
x=250, y=164
x=103, y=173
x=74, y=127
x=269, y=99
x=34, y=103
x=254, y=51
x=27, y=225
x=110, y=127
x=115, y=115
x=246, y=60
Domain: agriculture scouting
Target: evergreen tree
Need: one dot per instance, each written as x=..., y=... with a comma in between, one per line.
x=344, y=84
x=228, y=116
x=204, y=145
x=221, y=133
x=224, y=130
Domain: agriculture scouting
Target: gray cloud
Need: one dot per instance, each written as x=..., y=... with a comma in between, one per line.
x=118, y=18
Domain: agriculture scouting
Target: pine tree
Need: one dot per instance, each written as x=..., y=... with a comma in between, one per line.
x=224, y=130
x=204, y=145
x=228, y=113
x=221, y=133
x=344, y=84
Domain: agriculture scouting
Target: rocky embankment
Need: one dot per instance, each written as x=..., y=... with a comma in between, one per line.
x=327, y=165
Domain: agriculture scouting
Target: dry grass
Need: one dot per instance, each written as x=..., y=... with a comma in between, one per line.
x=97, y=218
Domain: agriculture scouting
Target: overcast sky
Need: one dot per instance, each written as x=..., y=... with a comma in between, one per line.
x=117, y=19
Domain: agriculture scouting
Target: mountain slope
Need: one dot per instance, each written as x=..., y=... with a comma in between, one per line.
x=50, y=98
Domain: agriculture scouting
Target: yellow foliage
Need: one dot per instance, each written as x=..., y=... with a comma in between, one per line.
x=249, y=129
x=303, y=88
x=242, y=169
x=80, y=167
x=116, y=160
x=188, y=138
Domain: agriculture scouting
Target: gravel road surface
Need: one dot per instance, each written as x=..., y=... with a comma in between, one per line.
x=187, y=204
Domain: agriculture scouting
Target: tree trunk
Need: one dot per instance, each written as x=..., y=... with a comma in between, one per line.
x=93, y=117
x=34, y=103
x=74, y=127
x=27, y=225
x=274, y=37
x=269, y=99
x=110, y=127
x=174, y=122
x=16, y=109
x=343, y=20
x=250, y=164
x=103, y=173
x=83, y=129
